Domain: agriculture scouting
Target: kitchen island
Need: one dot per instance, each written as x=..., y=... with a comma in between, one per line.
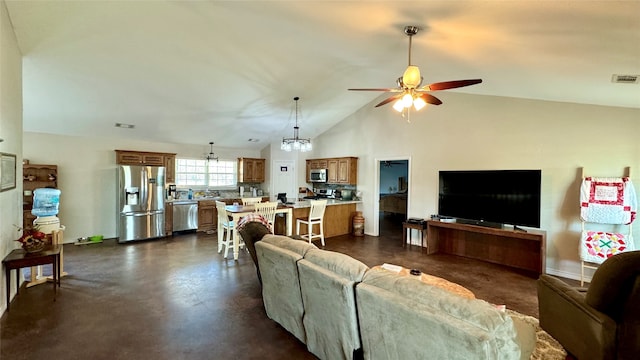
x=338, y=217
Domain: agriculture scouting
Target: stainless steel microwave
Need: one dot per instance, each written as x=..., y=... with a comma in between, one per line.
x=318, y=175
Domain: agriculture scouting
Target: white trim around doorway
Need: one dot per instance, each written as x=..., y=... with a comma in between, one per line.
x=376, y=186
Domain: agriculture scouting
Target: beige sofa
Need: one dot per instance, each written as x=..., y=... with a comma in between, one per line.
x=341, y=309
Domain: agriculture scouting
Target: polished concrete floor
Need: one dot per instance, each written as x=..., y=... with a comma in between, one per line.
x=177, y=298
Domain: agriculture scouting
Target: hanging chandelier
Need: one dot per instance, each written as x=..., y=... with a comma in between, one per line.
x=211, y=155
x=295, y=143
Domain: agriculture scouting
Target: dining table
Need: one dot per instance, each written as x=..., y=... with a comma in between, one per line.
x=237, y=211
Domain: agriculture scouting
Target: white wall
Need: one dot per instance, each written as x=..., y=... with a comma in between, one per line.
x=87, y=175
x=486, y=132
x=11, y=132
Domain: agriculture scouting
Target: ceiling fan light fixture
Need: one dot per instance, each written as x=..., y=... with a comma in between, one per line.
x=419, y=103
x=398, y=105
x=410, y=91
x=407, y=100
x=411, y=77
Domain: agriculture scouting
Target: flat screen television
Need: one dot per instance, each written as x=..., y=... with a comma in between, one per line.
x=491, y=197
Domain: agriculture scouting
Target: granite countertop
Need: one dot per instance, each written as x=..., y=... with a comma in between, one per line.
x=211, y=198
x=330, y=202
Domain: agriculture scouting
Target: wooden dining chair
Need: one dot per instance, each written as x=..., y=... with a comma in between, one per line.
x=268, y=211
x=251, y=200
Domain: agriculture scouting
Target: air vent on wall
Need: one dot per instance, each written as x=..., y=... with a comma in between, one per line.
x=625, y=79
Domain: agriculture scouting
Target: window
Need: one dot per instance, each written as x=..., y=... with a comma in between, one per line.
x=203, y=173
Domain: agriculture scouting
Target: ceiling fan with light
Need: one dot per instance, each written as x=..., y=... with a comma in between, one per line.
x=409, y=92
x=390, y=163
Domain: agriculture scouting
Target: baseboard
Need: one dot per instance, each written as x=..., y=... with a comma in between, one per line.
x=568, y=275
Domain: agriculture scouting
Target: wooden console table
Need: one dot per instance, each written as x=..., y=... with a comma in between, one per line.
x=517, y=249
x=19, y=258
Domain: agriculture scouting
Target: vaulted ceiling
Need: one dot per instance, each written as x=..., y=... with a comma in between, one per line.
x=227, y=71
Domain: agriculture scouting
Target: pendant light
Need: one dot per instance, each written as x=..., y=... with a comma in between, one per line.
x=296, y=143
x=211, y=155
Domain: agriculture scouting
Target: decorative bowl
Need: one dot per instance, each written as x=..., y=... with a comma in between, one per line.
x=34, y=247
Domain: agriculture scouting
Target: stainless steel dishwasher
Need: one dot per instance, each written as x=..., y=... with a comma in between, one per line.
x=185, y=215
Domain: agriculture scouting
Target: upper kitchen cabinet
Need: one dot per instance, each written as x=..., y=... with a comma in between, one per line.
x=342, y=170
x=251, y=170
x=348, y=170
x=332, y=171
x=168, y=160
x=318, y=164
x=170, y=168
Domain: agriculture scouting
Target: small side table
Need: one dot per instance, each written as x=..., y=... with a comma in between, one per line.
x=413, y=226
x=19, y=258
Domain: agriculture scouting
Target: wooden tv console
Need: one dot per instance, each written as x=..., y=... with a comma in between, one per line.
x=517, y=249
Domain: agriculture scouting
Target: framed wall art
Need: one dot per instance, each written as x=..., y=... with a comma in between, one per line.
x=7, y=171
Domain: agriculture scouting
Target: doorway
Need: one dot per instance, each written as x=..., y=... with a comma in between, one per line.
x=393, y=195
x=284, y=179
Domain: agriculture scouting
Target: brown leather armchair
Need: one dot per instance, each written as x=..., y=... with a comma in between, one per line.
x=602, y=322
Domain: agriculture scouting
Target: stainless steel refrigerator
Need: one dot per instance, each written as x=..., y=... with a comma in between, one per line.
x=140, y=202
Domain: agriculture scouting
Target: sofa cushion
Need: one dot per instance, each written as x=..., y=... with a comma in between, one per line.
x=297, y=246
x=338, y=263
x=327, y=282
x=277, y=258
x=401, y=318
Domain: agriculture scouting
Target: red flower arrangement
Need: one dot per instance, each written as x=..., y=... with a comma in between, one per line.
x=32, y=240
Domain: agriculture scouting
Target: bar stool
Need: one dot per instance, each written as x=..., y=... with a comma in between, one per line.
x=316, y=215
x=224, y=225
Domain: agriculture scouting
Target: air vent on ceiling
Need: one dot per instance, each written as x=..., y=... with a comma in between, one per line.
x=625, y=79
x=125, y=126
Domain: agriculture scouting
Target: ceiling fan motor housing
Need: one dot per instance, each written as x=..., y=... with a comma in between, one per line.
x=411, y=30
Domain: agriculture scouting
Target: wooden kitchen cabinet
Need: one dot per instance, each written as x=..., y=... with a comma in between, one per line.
x=168, y=218
x=318, y=164
x=127, y=157
x=251, y=170
x=342, y=170
x=35, y=176
x=332, y=171
x=170, y=168
x=347, y=170
x=207, y=216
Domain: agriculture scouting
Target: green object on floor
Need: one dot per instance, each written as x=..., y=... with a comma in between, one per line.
x=95, y=238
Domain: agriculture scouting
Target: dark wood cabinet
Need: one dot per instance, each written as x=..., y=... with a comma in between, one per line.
x=168, y=218
x=170, y=168
x=35, y=176
x=522, y=250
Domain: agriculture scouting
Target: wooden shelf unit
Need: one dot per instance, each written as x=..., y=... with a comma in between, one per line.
x=517, y=249
x=41, y=174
